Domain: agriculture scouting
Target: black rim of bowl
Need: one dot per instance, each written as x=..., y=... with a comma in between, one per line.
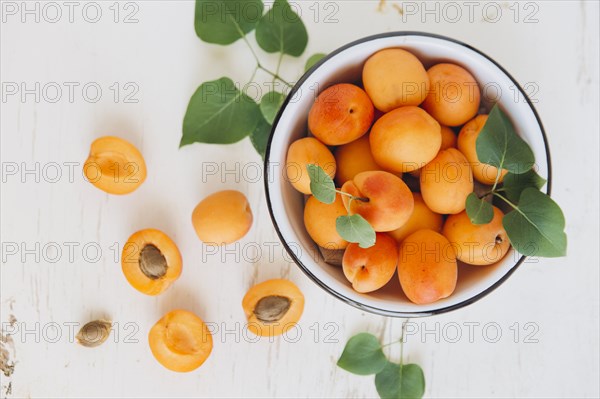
x=299, y=263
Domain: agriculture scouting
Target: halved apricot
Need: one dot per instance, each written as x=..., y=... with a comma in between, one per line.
x=180, y=341
x=115, y=166
x=273, y=307
x=151, y=261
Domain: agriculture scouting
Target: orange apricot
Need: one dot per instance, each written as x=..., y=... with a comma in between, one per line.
x=341, y=114
x=180, y=341
x=454, y=95
x=114, y=165
x=320, y=219
x=427, y=267
x=386, y=201
x=477, y=244
x=151, y=261
x=446, y=182
x=273, y=307
x=305, y=151
x=222, y=218
x=395, y=78
x=448, y=138
x=467, y=139
x=369, y=269
x=405, y=139
x=421, y=218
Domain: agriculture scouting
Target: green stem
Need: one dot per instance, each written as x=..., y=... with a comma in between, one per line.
x=276, y=76
x=498, y=174
x=402, y=346
x=277, y=69
x=352, y=197
x=516, y=208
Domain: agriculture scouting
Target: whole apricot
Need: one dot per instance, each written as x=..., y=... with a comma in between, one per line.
x=446, y=182
x=477, y=244
x=395, y=78
x=454, y=96
x=422, y=218
x=273, y=307
x=222, y=218
x=151, y=261
x=180, y=341
x=115, y=166
x=303, y=152
x=467, y=139
x=448, y=138
x=384, y=200
x=369, y=269
x=341, y=114
x=405, y=139
x=427, y=267
x=320, y=218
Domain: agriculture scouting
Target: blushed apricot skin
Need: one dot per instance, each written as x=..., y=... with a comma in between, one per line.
x=341, y=114
x=354, y=158
x=482, y=244
x=446, y=182
x=303, y=152
x=130, y=261
x=369, y=269
x=275, y=287
x=427, y=267
x=320, y=219
x=180, y=341
x=222, y=218
x=405, y=139
x=467, y=139
x=115, y=166
x=421, y=218
x=394, y=78
x=454, y=95
x=390, y=201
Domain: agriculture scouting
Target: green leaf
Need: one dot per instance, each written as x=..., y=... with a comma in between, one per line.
x=479, y=210
x=219, y=113
x=536, y=227
x=313, y=60
x=260, y=137
x=226, y=21
x=398, y=381
x=362, y=355
x=321, y=185
x=354, y=228
x=514, y=184
x=270, y=104
x=281, y=30
x=499, y=145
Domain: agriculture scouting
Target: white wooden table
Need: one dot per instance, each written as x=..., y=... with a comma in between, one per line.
x=547, y=313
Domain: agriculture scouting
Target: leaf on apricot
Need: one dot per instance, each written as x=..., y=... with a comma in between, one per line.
x=321, y=185
x=282, y=30
x=362, y=355
x=354, y=228
x=478, y=209
x=226, y=21
x=400, y=381
x=514, y=184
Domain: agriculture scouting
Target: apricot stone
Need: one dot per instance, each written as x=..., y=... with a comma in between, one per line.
x=482, y=244
x=303, y=152
x=394, y=78
x=341, y=114
x=320, y=219
x=421, y=218
x=405, y=139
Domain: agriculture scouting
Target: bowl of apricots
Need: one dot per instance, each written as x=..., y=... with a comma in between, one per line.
x=371, y=161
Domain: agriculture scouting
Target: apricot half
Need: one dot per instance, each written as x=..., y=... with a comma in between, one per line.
x=394, y=78
x=320, y=219
x=303, y=152
x=341, y=114
x=114, y=165
x=467, y=140
x=405, y=139
x=454, y=95
x=421, y=218
x=369, y=269
x=151, y=261
x=427, y=267
x=180, y=341
x=446, y=182
x=222, y=218
x=273, y=307
x=477, y=244
x=386, y=201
